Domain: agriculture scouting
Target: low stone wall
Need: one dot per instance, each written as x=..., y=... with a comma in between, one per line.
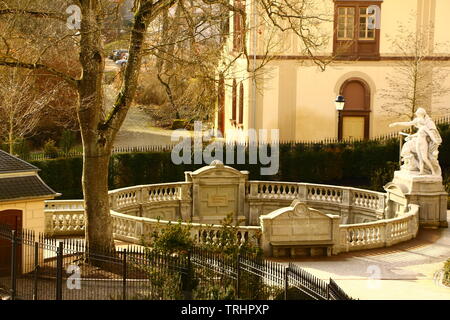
x=64, y=217
x=170, y=201
x=299, y=230
x=137, y=229
x=307, y=234
x=379, y=234
x=351, y=204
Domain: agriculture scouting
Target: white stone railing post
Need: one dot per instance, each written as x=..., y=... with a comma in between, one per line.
x=302, y=192
x=185, y=198
x=253, y=189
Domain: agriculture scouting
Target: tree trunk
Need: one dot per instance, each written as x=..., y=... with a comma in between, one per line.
x=96, y=146
x=95, y=189
x=98, y=132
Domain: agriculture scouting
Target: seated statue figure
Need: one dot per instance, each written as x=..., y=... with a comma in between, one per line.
x=420, y=152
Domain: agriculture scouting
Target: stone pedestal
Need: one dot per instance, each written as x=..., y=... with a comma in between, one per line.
x=428, y=192
x=218, y=191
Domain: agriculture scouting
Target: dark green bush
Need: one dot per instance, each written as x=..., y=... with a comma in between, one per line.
x=368, y=164
x=383, y=175
x=67, y=141
x=50, y=149
x=22, y=148
x=179, y=124
x=63, y=175
x=173, y=238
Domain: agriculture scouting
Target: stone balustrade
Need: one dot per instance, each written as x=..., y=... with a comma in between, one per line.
x=136, y=229
x=352, y=204
x=144, y=194
x=382, y=233
x=64, y=217
x=359, y=217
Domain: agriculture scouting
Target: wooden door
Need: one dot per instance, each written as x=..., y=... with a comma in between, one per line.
x=13, y=220
x=353, y=128
x=354, y=120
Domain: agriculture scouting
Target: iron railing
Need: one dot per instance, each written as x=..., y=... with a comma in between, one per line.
x=42, y=268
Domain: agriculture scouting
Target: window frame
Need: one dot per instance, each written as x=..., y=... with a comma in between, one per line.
x=366, y=29
x=361, y=48
x=346, y=16
x=238, y=27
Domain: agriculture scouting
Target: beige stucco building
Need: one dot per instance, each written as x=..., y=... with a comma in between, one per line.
x=292, y=94
x=22, y=203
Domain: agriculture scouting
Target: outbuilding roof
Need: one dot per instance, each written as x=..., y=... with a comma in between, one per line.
x=19, y=180
x=24, y=187
x=9, y=163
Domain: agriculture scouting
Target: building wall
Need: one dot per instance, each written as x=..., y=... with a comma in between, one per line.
x=296, y=97
x=32, y=213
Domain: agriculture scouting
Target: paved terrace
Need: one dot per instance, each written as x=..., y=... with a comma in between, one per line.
x=407, y=270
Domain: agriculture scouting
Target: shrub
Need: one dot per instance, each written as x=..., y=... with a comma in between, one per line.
x=447, y=273
x=63, y=176
x=22, y=148
x=50, y=149
x=179, y=124
x=173, y=238
x=67, y=141
x=367, y=164
x=228, y=242
x=383, y=175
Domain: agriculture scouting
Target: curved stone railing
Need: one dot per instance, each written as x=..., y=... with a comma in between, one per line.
x=145, y=194
x=344, y=201
x=134, y=229
x=382, y=233
x=138, y=211
x=64, y=217
x=315, y=192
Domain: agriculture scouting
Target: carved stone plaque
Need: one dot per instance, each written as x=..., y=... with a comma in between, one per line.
x=217, y=200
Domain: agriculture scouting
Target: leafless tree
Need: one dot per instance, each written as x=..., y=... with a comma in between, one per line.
x=35, y=33
x=21, y=105
x=416, y=80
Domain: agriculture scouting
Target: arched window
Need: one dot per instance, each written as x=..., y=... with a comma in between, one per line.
x=354, y=120
x=234, y=101
x=221, y=104
x=241, y=103
x=238, y=32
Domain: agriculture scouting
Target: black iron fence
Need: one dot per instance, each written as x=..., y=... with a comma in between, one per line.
x=40, y=155
x=34, y=267
x=35, y=156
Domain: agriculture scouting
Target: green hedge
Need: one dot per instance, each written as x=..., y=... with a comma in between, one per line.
x=368, y=164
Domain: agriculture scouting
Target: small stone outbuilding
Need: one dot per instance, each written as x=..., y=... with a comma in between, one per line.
x=22, y=194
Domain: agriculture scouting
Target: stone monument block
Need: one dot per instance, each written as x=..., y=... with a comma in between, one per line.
x=428, y=192
x=217, y=192
x=299, y=230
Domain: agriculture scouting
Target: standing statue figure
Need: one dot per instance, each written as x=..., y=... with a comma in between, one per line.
x=420, y=152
